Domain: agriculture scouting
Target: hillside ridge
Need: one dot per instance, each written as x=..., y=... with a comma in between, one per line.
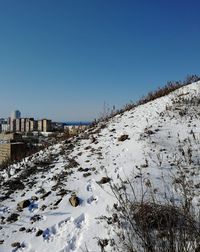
x=145, y=141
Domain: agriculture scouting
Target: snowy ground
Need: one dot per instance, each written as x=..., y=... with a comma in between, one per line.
x=157, y=133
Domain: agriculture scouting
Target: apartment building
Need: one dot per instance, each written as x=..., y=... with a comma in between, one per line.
x=18, y=125
x=23, y=124
x=11, y=147
x=33, y=125
x=13, y=125
x=12, y=151
x=10, y=137
x=5, y=127
x=30, y=125
x=44, y=125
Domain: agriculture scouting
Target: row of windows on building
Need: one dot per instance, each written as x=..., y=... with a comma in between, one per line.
x=27, y=125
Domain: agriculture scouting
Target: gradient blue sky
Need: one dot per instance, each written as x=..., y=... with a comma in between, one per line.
x=63, y=59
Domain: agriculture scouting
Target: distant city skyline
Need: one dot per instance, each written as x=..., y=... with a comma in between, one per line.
x=16, y=114
x=64, y=59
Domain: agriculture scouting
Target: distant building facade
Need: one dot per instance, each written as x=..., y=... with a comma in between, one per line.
x=5, y=127
x=11, y=147
x=33, y=125
x=44, y=125
x=12, y=151
x=15, y=115
x=10, y=137
x=18, y=125
x=29, y=125
x=24, y=125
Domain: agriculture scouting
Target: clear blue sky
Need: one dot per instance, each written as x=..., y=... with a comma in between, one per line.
x=63, y=59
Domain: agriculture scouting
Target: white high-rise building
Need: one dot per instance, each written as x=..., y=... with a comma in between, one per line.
x=15, y=115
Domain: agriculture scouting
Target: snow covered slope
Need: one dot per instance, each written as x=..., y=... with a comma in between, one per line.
x=152, y=137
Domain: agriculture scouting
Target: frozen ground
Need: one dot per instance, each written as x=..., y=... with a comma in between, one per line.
x=157, y=133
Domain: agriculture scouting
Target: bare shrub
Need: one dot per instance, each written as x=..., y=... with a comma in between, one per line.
x=150, y=225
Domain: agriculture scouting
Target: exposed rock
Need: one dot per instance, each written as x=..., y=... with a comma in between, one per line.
x=74, y=200
x=43, y=207
x=23, y=204
x=57, y=202
x=14, y=185
x=43, y=162
x=45, y=195
x=72, y=163
x=39, y=232
x=22, y=229
x=112, y=130
x=87, y=147
x=41, y=191
x=1, y=242
x=13, y=217
x=15, y=244
x=103, y=243
x=104, y=180
x=28, y=230
x=35, y=218
x=83, y=169
x=87, y=174
x=2, y=220
x=123, y=138
x=62, y=192
x=34, y=198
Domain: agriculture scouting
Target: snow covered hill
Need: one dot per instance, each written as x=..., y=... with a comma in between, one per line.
x=146, y=141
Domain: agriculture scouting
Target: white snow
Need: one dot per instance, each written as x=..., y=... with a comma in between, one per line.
x=68, y=229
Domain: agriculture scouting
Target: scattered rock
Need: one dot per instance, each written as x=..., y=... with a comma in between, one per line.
x=13, y=217
x=43, y=162
x=35, y=198
x=62, y=192
x=15, y=244
x=87, y=174
x=23, y=204
x=35, y=218
x=57, y=202
x=45, y=195
x=39, y=232
x=123, y=138
x=103, y=243
x=70, y=147
x=22, y=229
x=41, y=191
x=197, y=186
x=2, y=220
x=88, y=147
x=1, y=242
x=104, y=180
x=29, y=230
x=83, y=170
x=72, y=163
x=112, y=130
x=14, y=185
x=74, y=200
x=149, y=132
x=43, y=207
